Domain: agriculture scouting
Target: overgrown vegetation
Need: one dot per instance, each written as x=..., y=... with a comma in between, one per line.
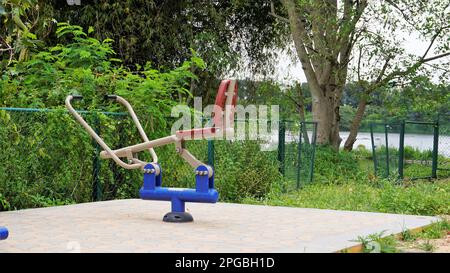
x=345, y=181
x=406, y=241
x=50, y=159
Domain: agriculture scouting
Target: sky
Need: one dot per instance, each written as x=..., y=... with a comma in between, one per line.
x=288, y=70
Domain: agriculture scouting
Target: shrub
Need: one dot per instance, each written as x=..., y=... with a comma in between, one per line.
x=336, y=168
x=243, y=170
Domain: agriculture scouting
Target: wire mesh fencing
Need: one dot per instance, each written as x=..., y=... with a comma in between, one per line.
x=443, y=162
x=297, y=145
x=418, y=155
x=385, y=147
x=408, y=150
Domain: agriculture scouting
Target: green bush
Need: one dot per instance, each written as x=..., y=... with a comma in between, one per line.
x=415, y=154
x=243, y=170
x=46, y=159
x=337, y=168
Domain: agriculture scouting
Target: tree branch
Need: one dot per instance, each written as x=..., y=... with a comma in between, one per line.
x=8, y=48
x=435, y=57
x=273, y=13
x=434, y=39
x=400, y=73
x=386, y=63
x=299, y=34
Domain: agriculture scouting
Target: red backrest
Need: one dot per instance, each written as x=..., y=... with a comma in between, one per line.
x=221, y=100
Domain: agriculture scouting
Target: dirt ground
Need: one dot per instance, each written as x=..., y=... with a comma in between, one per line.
x=441, y=245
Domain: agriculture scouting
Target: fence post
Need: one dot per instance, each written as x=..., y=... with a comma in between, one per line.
x=281, y=146
x=96, y=187
x=386, y=133
x=211, y=152
x=435, y=149
x=313, y=157
x=299, y=158
x=401, y=150
x=374, y=154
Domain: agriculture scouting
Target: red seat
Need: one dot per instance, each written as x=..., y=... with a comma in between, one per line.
x=218, y=112
x=221, y=100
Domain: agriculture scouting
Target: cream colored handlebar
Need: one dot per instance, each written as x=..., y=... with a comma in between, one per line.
x=97, y=138
x=137, y=123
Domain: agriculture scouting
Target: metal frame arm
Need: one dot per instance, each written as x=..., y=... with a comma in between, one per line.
x=135, y=119
x=179, y=138
x=97, y=138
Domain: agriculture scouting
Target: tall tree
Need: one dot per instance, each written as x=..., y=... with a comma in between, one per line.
x=162, y=32
x=336, y=40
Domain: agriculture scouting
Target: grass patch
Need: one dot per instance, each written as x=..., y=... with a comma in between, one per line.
x=425, y=240
x=346, y=181
x=419, y=198
x=378, y=243
x=434, y=231
x=406, y=241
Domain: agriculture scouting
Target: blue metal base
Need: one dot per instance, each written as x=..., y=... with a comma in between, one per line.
x=204, y=192
x=3, y=233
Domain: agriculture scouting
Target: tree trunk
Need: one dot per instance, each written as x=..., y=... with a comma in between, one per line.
x=326, y=113
x=301, y=112
x=348, y=146
x=325, y=70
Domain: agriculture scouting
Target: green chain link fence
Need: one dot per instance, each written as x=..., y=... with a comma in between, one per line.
x=443, y=164
x=384, y=148
x=296, y=152
x=47, y=159
x=410, y=149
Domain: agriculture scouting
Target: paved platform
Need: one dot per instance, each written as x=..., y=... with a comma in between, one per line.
x=136, y=226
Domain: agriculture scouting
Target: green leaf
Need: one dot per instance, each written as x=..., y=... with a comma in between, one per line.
x=85, y=54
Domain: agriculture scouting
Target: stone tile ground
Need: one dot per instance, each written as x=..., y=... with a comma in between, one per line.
x=136, y=226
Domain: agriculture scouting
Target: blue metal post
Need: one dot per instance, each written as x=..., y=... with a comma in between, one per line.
x=177, y=205
x=202, y=183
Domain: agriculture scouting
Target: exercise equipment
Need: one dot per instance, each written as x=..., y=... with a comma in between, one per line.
x=152, y=189
x=3, y=233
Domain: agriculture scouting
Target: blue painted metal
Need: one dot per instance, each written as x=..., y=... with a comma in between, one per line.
x=204, y=191
x=3, y=233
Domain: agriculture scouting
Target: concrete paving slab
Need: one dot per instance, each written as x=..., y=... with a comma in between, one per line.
x=135, y=225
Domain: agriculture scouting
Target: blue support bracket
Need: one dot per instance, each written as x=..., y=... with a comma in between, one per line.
x=204, y=191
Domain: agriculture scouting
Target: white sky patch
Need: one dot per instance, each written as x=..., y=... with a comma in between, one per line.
x=288, y=71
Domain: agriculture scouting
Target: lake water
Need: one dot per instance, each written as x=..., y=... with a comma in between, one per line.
x=419, y=141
